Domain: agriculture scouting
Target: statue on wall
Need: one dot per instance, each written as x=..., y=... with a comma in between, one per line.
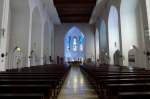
x=117, y=58
x=17, y=58
x=132, y=56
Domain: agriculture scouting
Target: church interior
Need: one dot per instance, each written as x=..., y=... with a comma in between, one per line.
x=74, y=49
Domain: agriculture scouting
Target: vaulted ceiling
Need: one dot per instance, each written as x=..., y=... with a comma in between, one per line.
x=75, y=11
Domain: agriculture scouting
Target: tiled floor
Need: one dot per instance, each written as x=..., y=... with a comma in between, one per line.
x=76, y=86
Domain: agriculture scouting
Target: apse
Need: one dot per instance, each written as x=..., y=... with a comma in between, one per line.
x=74, y=45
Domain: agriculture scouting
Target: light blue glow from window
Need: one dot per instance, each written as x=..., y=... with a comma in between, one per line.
x=74, y=45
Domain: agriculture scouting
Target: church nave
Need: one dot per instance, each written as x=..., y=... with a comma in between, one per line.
x=77, y=86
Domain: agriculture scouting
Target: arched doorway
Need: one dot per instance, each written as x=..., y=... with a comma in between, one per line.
x=36, y=38
x=74, y=43
x=113, y=33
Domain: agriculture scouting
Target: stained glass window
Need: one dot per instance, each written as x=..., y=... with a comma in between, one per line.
x=75, y=45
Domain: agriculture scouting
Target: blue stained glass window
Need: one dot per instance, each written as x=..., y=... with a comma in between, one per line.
x=74, y=45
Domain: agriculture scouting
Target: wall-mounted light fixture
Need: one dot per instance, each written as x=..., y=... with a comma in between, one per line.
x=2, y=31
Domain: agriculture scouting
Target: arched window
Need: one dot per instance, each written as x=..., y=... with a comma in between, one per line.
x=74, y=45
x=113, y=32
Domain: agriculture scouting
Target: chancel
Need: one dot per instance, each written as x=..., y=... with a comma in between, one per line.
x=74, y=49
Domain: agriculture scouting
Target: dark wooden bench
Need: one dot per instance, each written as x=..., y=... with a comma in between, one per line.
x=110, y=80
x=41, y=80
x=134, y=95
x=114, y=89
x=21, y=96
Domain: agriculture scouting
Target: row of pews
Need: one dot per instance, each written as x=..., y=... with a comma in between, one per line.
x=38, y=82
x=116, y=82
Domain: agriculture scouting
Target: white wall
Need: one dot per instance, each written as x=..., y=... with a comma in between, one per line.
x=113, y=33
x=19, y=29
x=148, y=11
x=36, y=35
x=97, y=43
x=131, y=28
x=44, y=18
x=1, y=11
x=86, y=29
x=51, y=40
x=103, y=35
x=17, y=22
x=1, y=16
x=47, y=42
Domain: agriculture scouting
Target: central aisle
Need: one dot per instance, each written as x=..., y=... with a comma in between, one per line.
x=76, y=86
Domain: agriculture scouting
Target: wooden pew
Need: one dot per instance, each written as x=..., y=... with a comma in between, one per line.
x=21, y=96
x=43, y=80
x=134, y=95
x=113, y=79
x=114, y=89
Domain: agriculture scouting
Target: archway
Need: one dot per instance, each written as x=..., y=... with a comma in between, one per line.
x=46, y=43
x=19, y=33
x=131, y=15
x=148, y=12
x=36, y=38
x=103, y=36
x=113, y=33
x=74, y=42
x=103, y=43
x=97, y=43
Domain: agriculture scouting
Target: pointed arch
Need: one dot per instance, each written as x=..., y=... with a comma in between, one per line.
x=47, y=42
x=103, y=35
x=148, y=11
x=113, y=32
x=74, y=43
x=36, y=37
x=19, y=31
x=132, y=28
